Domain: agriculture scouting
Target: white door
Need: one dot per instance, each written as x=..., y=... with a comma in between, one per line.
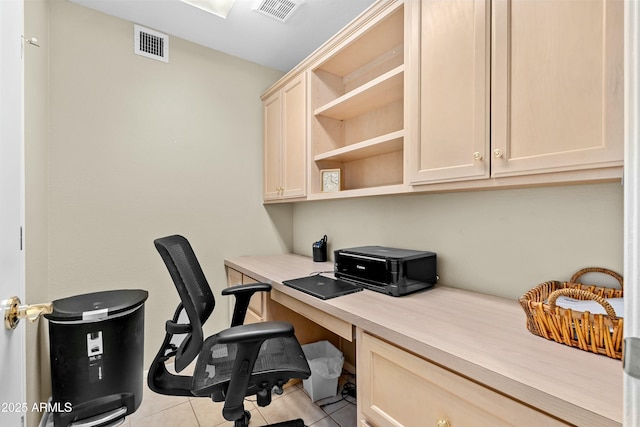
x=632, y=216
x=12, y=376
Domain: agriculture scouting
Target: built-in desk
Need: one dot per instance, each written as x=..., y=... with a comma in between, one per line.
x=433, y=335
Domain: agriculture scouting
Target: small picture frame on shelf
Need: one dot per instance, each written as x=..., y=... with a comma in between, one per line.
x=331, y=180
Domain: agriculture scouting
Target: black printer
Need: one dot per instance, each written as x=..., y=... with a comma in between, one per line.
x=391, y=271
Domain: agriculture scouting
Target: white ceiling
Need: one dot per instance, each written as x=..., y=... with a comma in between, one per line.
x=245, y=33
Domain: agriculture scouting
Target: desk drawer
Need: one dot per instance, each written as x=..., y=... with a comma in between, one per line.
x=397, y=388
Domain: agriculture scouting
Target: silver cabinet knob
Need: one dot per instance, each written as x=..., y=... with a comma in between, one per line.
x=477, y=156
x=497, y=153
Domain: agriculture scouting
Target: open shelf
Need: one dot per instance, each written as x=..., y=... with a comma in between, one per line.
x=375, y=94
x=386, y=35
x=373, y=147
x=357, y=103
x=361, y=192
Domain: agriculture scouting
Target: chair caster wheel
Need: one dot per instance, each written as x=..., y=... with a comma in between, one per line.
x=244, y=421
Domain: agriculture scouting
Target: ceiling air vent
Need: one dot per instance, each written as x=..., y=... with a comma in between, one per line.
x=151, y=44
x=278, y=9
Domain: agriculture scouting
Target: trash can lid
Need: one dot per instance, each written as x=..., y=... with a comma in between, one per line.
x=96, y=305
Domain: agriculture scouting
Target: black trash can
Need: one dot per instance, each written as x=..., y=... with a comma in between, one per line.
x=96, y=346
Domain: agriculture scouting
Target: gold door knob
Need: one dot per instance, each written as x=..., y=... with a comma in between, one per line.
x=14, y=311
x=443, y=423
x=497, y=153
x=477, y=155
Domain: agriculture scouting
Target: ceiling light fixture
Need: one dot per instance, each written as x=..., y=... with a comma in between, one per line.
x=219, y=8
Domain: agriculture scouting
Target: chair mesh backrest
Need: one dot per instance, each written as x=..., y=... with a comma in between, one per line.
x=193, y=289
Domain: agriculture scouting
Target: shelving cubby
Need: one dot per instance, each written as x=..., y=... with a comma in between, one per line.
x=357, y=106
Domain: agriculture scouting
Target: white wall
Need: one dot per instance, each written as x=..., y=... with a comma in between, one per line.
x=501, y=242
x=140, y=149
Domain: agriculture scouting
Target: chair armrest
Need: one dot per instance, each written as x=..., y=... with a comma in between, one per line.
x=243, y=294
x=174, y=328
x=255, y=332
x=251, y=287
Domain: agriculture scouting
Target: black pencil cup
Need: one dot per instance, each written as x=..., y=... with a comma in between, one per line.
x=320, y=250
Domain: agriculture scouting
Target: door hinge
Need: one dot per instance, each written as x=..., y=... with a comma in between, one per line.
x=631, y=357
x=21, y=238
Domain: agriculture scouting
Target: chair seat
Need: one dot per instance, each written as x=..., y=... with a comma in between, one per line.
x=279, y=359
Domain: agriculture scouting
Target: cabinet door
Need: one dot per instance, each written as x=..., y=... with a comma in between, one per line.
x=272, y=120
x=454, y=64
x=294, y=119
x=396, y=388
x=557, y=85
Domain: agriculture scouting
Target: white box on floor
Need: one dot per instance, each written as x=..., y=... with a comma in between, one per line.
x=326, y=363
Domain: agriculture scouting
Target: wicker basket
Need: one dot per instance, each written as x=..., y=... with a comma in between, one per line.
x=598, y=333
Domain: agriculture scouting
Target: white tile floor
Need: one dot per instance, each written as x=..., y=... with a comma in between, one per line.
x=160, y=411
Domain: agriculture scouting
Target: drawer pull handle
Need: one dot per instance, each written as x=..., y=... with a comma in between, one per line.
x=443, y=423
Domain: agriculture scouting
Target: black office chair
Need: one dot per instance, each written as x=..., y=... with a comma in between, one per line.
x=241, y=361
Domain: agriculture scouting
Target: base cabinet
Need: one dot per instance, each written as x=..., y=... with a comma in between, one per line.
x=397, y=388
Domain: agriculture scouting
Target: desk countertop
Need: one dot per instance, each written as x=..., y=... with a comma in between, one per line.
x=481, y=337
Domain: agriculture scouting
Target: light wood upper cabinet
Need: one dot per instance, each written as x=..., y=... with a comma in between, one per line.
x=438, y=95
x=554, y=90
x=285, y=118
x=272, y=119
x=451, y=140
x=557, y=85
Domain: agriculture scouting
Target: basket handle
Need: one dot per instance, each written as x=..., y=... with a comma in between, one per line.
x=582, y=294
x=576, y=276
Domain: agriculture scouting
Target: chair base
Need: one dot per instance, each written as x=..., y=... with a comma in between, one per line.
x=244, y=422
x=292, y=423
